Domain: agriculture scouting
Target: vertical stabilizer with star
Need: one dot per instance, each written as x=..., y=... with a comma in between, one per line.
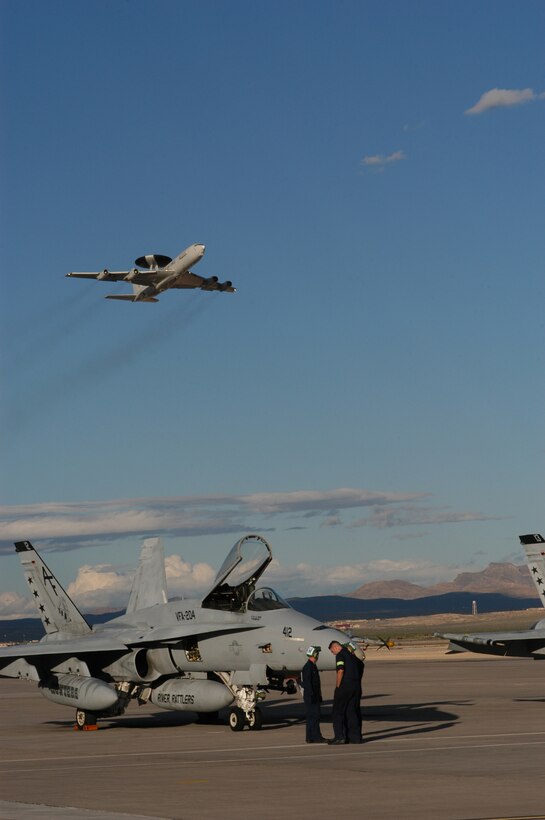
x=57, y=611
x=534, y=547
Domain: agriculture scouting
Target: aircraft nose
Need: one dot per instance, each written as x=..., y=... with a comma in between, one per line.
x=201, y=248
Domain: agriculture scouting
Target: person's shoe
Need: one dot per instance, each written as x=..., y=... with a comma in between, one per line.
x=337, y=741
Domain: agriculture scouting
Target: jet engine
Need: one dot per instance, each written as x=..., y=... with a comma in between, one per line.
x=225, y=285
x=103, y=274
x=134, y=666
x=131, y=276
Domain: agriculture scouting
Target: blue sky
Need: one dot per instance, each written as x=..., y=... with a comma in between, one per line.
x=371, y=177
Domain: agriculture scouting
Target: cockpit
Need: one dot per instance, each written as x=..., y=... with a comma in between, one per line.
x=264, y=599
x=234, y=585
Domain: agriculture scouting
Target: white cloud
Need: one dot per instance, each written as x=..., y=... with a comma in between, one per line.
x=503, y=98
x=306, y=501
x=187, y=579
x=331, y=521
x=311, y=579
x=14, y=606
x=379, y=161
x=78, y=524
x=101, y=587
x=105, y=587
x=403, y=516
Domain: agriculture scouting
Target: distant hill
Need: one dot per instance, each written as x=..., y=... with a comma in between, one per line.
x=339, y=607
x=503, y=578
x=31, y=629
x=498, y=588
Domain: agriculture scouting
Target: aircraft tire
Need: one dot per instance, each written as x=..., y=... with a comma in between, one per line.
x=255, y=721
x=84, y=719
x=237, y=719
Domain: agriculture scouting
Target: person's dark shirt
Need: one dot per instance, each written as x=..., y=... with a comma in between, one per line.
x=310, y=678
x=351, y=665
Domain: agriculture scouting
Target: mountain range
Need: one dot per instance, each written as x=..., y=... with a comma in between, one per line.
x=501, y=587
x=503, y=578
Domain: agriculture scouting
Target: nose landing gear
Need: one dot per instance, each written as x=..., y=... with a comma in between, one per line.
x=238, y=719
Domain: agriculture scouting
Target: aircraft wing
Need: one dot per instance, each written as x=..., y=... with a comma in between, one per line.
x=138, y=277
x=526, y=643
x=60, y=649
x=187, y=280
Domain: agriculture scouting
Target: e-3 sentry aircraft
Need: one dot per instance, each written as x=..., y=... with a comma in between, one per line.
x=199, y=655
x=528, y=643
x=160, y=273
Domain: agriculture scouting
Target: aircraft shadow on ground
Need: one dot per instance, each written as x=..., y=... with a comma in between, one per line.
x=278, y=714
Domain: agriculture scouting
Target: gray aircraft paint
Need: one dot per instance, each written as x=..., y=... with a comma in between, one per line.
x=219, y=649
x=160, y=274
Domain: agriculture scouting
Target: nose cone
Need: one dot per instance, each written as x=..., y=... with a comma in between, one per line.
x=200, y=249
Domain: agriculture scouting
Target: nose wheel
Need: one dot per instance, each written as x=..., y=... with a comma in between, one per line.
x=255, y=719
x=238, y=719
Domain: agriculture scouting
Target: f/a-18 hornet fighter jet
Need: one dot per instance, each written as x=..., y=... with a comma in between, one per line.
x=528, y=643
x=201, y=655
x=160, y=273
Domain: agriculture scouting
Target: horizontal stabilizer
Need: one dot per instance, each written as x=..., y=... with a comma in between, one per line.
x=126, y=297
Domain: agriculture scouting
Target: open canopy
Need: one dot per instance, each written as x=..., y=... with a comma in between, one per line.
x=238, y=574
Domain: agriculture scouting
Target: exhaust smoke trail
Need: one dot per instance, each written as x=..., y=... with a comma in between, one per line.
x=76, y=310
x=104, y=364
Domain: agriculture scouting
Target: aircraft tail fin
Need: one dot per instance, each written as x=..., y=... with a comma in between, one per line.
x=122, y=297
x=534, y=547
x=57, y=611
x=136, y=291
x=150, y=582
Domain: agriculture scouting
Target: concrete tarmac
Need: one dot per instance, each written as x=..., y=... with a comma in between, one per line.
x=443, y=739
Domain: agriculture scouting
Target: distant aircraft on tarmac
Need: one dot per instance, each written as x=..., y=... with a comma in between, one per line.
x=160, y=274
x=522, y=644
x=201, y=655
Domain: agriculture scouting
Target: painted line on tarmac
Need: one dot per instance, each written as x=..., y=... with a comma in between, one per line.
x=457, y=737
x=361, y=752
x=231, y=749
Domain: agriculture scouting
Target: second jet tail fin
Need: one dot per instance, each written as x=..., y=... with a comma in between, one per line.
x=150, y=582
x=534, y=547
x=57, y=611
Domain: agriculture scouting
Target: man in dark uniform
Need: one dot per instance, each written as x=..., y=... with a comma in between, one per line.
x=312, y=695
x=346, y=723
x=359, y=657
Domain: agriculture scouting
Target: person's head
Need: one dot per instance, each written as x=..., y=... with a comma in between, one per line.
x=313, y=652
x=335, y=647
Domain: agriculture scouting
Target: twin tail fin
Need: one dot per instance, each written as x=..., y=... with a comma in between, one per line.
x=534, y=547
x=56, y=609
